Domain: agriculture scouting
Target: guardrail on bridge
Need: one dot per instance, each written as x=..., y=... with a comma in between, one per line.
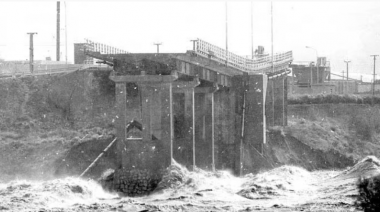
x=206, y=49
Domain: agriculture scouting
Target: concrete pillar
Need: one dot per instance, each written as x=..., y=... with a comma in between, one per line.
x=279, y=101
x=273, y=103
x=154, y=151
x=184, y=148
x=204, y=145
x=121, y=95
x=146, y=98
x=285, y=102
x=167, y=134
x=254, y=134
x=213, y=126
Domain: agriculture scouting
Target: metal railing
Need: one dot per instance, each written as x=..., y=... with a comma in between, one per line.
x=103, y=48
x=218, y=54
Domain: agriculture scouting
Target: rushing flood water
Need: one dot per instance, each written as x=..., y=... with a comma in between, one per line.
x=286, y=188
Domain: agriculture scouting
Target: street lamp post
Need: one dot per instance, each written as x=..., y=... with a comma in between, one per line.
x=311, y=74
x=316, y=53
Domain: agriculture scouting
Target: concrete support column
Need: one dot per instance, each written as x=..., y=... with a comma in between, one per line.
x=285, y=102
x=121, y=99
x=254, y=135
x=184, y=150
x=154, y=151
x=167, y=134
x=213, y=125
x=146, y=98
x=273, y=103
x=204, y=126
x=279, y=101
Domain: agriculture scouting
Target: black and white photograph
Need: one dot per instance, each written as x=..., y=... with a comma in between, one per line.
x=189, y=106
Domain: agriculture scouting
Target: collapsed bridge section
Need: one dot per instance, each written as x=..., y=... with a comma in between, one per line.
x=199, y=108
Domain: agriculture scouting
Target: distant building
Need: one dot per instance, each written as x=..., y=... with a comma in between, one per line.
x=312, y=79
x=305, y=74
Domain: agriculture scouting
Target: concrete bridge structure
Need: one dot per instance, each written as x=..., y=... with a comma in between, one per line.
x=200, y=108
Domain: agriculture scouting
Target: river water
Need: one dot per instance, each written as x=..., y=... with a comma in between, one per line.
x=287, y=188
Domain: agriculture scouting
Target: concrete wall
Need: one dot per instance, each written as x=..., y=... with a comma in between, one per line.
x=255, y=121
x=302, y=73
x=153, y=151
x=367, y=88
x=331, y=87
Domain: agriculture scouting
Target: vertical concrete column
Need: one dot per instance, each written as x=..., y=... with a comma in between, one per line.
x=190, y=119
x=171, y=121
x=280, y=101
x=213, y=127
x=285, y=102
x=273, y=103
x=193, y=122
x=121, y=101
x=146, y=98
x=235, y=129
x=184, y=150
x=205, y=127
x=167, y=125
x=226, y=128
x=155, y=111
x=254, y=133
x=265, y=88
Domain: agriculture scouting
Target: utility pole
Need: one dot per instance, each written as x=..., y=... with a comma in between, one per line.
x=31, y=50
x=311, y=74
x=317, y=62
x=66, y=31
x=226, y=35
x=373, y=83
x=343, y=74
x=193, y=44
x=271, y=16
x=158, y=47
x=253, y=52
x=58, y=29
x=347, y=61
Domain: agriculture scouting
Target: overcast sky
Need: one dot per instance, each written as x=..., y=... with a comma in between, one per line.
x=338, y=30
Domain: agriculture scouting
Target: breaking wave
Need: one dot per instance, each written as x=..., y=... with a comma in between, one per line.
x=276, y=182
x=367, y=167
x=181, y=189
x=23, y=195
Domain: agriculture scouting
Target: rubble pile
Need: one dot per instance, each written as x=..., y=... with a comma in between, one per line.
x=135, y=182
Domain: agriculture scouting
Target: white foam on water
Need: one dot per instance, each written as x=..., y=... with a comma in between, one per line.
x=58, y=193
x=287, y=185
